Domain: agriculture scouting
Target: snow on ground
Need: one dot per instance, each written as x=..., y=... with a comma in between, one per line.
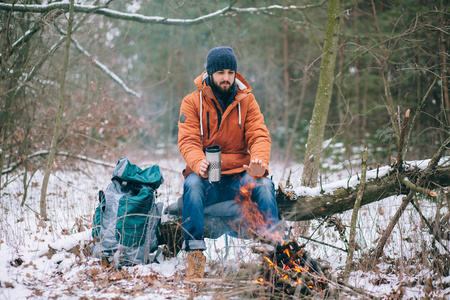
x=43, y=260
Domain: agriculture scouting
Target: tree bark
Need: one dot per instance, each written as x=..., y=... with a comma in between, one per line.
x=6, y=103
x=51, y=156
x=323, y=97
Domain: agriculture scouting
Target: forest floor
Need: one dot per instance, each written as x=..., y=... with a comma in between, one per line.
x=50, y=259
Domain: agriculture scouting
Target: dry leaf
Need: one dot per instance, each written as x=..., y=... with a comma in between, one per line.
x=92, y=272
x=116, y=276
x=20, y=134
x=139, y=287
x=102, y=276
x=150, y=279
x=433, y=194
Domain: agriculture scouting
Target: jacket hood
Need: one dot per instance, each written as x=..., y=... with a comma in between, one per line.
x=243, y=85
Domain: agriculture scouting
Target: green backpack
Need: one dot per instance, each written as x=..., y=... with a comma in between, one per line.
x=126, y=221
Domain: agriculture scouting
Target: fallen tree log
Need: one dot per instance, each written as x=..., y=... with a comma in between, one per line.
x=331, y=201
x=302, y=208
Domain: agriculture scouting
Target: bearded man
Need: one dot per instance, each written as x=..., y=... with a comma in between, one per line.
x=222, y=111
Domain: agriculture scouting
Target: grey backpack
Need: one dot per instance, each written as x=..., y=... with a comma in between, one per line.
x=126, y=221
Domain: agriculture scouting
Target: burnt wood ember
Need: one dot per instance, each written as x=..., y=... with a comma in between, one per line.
x=289, y=268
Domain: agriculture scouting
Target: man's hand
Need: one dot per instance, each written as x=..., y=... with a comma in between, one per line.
x=256, y=168
x=203, y=168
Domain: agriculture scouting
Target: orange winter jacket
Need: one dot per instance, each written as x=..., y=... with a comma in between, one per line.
x=241, y=133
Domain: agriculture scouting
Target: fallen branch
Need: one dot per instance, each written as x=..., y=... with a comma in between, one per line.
x=46, y=152
x=323, y=243
x=357, y=291
x=418, y=189
x=15, y=165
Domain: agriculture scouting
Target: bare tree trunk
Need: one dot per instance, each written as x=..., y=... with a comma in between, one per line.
x=51, y=156
x=30, y=117
x=363, y=129
x=170, y=102
x=287, y=99
x=444, y=71
x=352, y=242
x=323, y=97
x=5, y=111
x=384, y=75
x=8, y=109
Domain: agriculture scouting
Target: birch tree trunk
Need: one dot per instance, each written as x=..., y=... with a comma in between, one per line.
x=323, y=97
x=51, y=156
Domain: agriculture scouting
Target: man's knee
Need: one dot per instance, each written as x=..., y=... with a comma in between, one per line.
x=265, y=185
x=193, y=182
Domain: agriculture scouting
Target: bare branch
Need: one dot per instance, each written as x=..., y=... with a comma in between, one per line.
x=359, y=195
x=90, y=9
x=104, y=68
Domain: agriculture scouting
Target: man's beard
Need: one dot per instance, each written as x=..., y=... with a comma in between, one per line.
x=221, y=91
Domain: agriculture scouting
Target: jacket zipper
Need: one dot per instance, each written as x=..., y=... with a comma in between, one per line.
x=219, y=114
x=207, y=122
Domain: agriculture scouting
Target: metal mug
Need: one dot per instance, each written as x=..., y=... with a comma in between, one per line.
x=214, y=157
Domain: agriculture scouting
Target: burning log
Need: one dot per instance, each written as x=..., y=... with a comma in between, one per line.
x=289, y=268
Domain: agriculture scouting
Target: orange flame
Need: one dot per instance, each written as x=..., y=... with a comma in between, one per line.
x=251, y=215
x=269, y=261
x=260, y=280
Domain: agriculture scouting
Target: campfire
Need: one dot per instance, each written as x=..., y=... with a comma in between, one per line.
x=288, y=267
x=285, y=265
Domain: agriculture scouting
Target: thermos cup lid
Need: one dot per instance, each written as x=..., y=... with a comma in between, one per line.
x=213, y=149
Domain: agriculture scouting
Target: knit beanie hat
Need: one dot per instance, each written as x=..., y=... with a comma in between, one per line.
x=220, y=58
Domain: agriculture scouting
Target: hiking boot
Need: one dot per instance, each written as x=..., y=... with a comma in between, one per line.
x=196, y=265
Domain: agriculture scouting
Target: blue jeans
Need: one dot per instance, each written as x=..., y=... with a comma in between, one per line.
x=199, y=193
